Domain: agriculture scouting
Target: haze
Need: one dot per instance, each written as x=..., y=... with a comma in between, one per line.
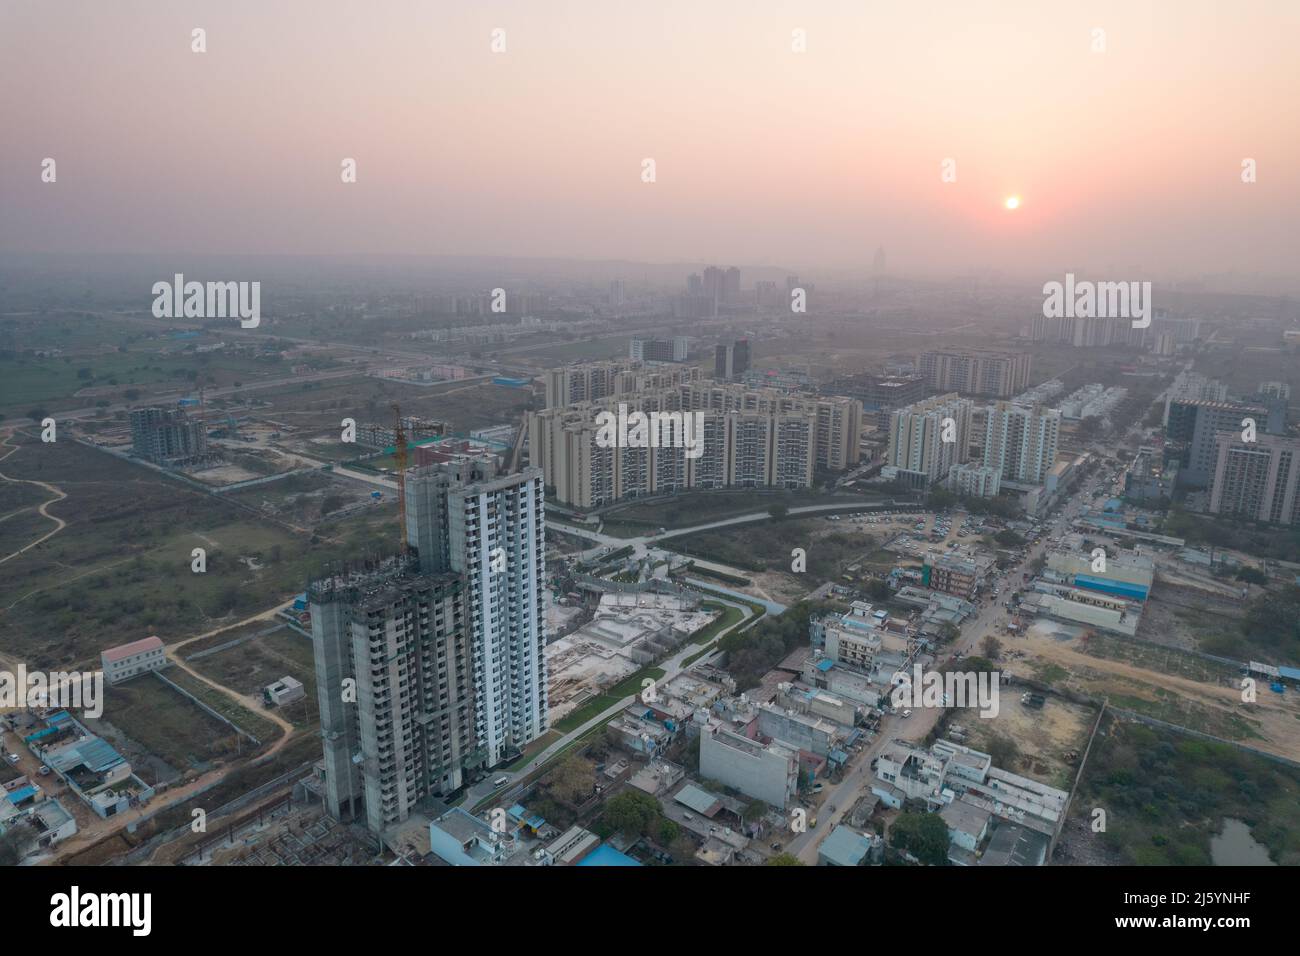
x=1127, y=159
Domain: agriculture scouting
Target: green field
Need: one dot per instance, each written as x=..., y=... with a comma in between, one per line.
x=1166, y=794
x=121, y=569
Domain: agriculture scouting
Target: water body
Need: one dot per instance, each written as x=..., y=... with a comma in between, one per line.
x=1236, y=847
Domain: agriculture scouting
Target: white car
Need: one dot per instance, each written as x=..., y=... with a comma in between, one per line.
x=12, y=758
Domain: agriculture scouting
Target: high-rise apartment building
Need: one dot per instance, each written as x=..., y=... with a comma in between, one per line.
x=917, y=433
x=463, y=517
x=731, y=361
x=659, y=350
x=975, y=371
x=1021, y=441
x=395, y=688
x=168, y=436
x=1192, y=427
x=1259, y=480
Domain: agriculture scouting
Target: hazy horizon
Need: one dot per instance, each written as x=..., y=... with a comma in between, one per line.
x=1126, y=161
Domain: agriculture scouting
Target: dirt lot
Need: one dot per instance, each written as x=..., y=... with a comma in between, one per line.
x=1042, y=736
x=250, y=666
x=1272, y=723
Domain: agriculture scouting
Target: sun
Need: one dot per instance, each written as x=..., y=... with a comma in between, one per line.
x=1012, y=202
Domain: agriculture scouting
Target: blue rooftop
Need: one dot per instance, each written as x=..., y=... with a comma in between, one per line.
x=825, y=664
x=18, y=796
x=606, y=855
x=845, y=847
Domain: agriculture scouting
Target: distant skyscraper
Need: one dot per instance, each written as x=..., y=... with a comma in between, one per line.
x=878, y=262
x=976, y=371
x=731, y=285
x=167, y=436
x=659, y=350
x=617, y=293
x=731, y=361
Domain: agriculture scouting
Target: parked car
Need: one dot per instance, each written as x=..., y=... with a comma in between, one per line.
x=12, y=758
x=44, y=771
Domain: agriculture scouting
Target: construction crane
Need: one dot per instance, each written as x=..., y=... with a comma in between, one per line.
x=399, y=447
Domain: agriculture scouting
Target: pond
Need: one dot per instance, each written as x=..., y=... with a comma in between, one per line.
x=1236, y=847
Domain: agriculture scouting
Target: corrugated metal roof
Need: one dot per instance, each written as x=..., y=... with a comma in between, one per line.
x=99, y=756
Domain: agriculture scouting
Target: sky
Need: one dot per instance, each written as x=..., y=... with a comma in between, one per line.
x=1127, y=160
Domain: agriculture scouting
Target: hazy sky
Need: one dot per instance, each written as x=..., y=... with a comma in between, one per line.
x=1125, y=159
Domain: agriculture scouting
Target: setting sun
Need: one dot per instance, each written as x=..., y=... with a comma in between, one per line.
x=1013, y=202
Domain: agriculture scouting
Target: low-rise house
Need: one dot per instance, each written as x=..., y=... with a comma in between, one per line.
x=127, y=660
x=847, y=847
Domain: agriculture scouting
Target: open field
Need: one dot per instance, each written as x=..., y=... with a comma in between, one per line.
x=1166, y=795
x=258, y=726
x=317, y=408
x=700, y=507
x=121, y=569
x=765, y=549
x=1212, y=706
x=159, y=731
x=255, y=663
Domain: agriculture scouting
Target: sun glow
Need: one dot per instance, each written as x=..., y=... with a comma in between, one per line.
x=1012, y=202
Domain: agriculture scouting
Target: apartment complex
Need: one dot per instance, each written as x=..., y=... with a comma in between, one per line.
x=1259, y=480
x=1021, y=441
x=975, y=371
x=1087, y=331
x=395, y=688
x=168, y=437
x=590, y=381
x=748, y=438
x=917, y=432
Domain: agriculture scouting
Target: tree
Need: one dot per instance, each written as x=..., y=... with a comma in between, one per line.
x=940, y=498
x=632, y=813
x=574, y=779
x=878, y=590
x=991, y=647
x=1003, y=751
x=785, y=859
x=1252, y=576
x=924, y=835
x=778, y=511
